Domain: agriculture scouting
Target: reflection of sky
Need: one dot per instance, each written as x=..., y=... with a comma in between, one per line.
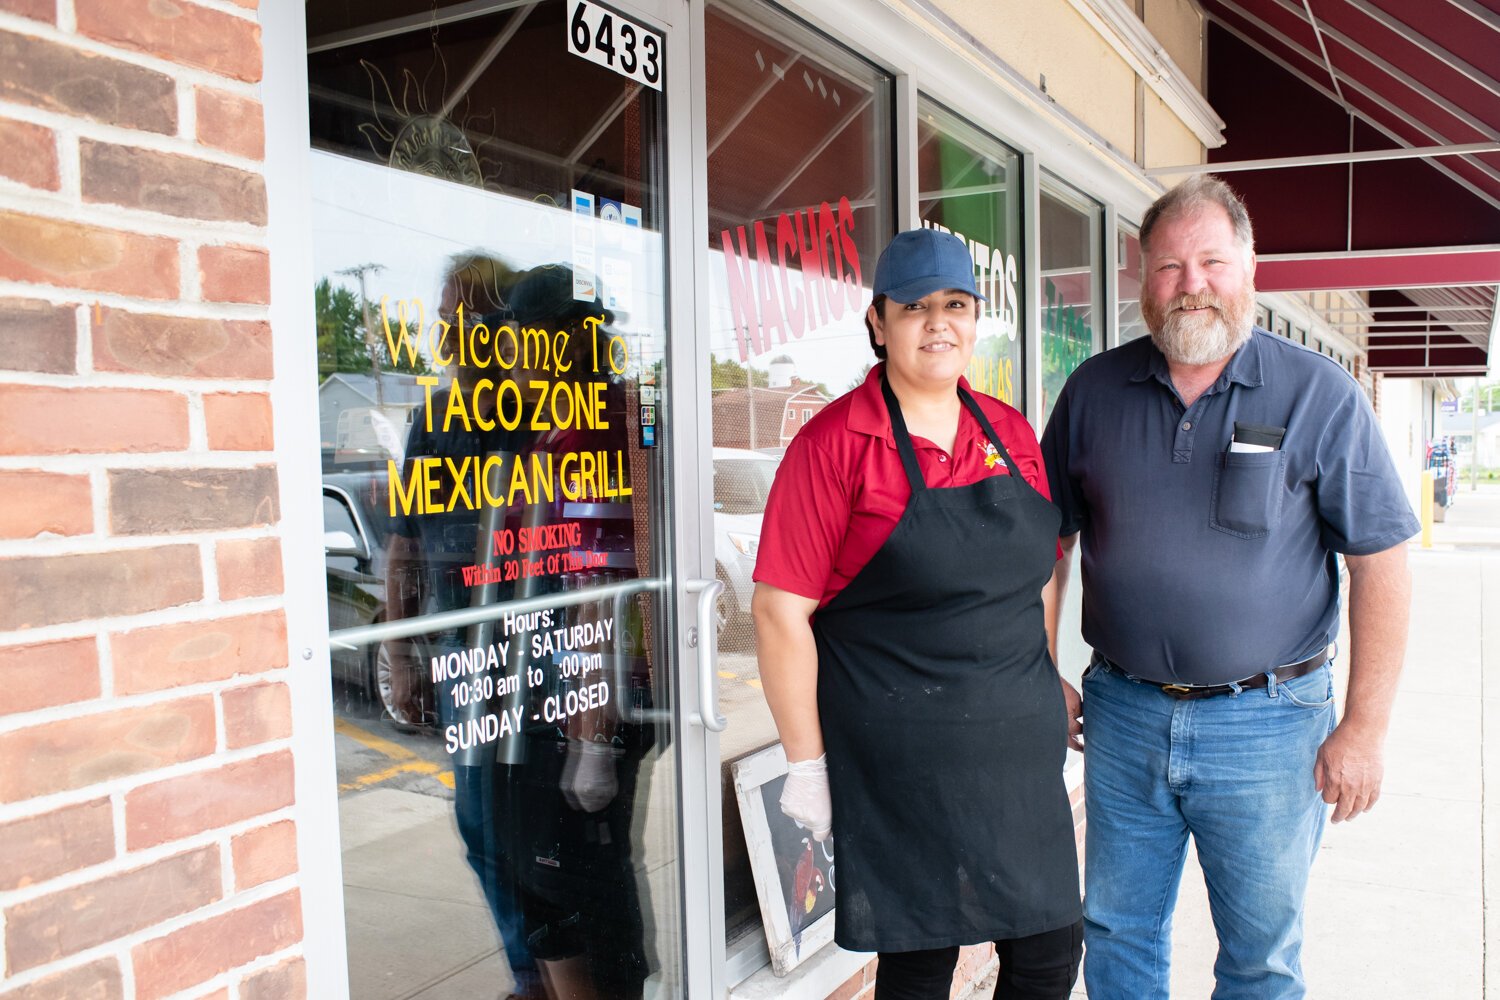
x=364, y=213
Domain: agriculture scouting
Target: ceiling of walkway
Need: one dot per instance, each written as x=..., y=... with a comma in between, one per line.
x=1416, y=234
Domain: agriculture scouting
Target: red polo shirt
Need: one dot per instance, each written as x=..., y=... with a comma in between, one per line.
x=841, y=489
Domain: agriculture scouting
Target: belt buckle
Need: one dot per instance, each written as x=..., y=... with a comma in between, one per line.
x=1176, y=688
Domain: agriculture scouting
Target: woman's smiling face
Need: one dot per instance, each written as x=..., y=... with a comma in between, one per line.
x=928, y=342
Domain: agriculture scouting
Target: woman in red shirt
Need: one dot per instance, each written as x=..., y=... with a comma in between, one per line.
x=898, y=606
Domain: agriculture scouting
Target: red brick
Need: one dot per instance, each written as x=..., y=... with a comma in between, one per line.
x=51, y=673
x=64, y=923
x=256, y=714
x=37, y=336
x=50, y=590
x=176, y=30
x=41, y=10
x=850, y=987
x=151, y=659
x=85, y=751
x=28, y=153
x=181, y=345
x=235, y=274
x=232, y=123
x=158, y=501
x=239, y=421
x=169, y=183
x=203, y=950
x=74, y=255
x=249, y=4
x=96, y=981
x=265, y=854
x=180, y=807
x=46, y=420
x=37, y=848
x=287, y=981
x=33, y=503
x=248, y=567
x=58, y=77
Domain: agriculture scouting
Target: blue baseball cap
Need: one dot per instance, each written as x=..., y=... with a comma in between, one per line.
x=919, y=262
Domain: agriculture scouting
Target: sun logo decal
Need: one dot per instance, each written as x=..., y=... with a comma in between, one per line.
x=420, y=133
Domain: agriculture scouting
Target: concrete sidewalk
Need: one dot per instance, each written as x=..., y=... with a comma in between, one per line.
x=1398, y=901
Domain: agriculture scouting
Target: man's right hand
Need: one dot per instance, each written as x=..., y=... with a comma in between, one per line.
x=805, y=797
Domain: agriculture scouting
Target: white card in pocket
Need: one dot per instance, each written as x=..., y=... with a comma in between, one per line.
x=1242, y=446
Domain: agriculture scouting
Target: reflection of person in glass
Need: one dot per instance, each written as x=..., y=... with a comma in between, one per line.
x=899, y=609
x=427, y=555
x=578, y=892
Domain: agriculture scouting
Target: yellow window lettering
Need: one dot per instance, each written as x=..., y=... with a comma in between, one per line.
x=540, y=388
x=456, y=406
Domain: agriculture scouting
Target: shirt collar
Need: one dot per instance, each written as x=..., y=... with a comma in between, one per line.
x=867, y=412
x=1244, y=367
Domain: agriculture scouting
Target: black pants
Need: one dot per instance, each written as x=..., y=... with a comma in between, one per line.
x=1041, y=967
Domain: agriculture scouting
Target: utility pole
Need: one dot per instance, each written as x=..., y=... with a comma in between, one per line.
x=372, y=345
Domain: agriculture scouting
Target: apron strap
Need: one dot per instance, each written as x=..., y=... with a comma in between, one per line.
x=903, y=439
x=984, y=422
x=908, y=451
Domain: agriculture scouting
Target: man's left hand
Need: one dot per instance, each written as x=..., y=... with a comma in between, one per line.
x=1348, y=771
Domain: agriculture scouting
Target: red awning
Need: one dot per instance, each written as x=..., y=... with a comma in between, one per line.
x=1330, y=77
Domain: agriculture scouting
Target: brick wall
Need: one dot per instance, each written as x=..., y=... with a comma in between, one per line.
x=147, y=847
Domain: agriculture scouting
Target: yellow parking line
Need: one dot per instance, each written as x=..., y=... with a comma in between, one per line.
x=728, y=675
x=363, y=736
x=754, y=682
x=394, y=771
x=446, y=778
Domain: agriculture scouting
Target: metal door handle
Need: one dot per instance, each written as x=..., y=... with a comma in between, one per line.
x=707, y=716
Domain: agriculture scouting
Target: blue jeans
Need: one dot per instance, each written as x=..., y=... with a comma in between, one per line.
x=1235, y=771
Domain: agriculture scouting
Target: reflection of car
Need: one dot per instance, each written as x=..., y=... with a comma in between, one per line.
x=742, y=480
x=355, y=532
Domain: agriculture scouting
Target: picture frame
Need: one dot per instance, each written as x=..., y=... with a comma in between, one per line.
x=794, y=875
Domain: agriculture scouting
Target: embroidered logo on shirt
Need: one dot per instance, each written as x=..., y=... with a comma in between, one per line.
x=991, y=456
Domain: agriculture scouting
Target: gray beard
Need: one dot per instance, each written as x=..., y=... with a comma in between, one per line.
x=1187, y=339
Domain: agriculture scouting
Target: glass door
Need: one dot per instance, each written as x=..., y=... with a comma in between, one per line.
x=490, y=220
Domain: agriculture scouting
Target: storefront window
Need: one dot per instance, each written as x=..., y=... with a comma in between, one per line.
x=799, y=204
x=970, y=185
x=1071, y=295
x=1128, y=280
x=491, y=329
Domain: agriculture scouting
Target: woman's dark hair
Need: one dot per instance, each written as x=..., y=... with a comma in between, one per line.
x=879, y=306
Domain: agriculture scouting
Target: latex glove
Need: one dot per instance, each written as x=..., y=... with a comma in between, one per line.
x=805, y=796
x=588, y=776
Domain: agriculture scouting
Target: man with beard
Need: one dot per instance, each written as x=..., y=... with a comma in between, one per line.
x=1216, y=473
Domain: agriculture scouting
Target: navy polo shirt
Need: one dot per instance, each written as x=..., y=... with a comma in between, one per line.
x=1202, y=566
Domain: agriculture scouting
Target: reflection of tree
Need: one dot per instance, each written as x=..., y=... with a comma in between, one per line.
x=859, y=379
x=342, y=345
x=729, y=374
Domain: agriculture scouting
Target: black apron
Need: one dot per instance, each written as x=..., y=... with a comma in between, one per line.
x=944, y=722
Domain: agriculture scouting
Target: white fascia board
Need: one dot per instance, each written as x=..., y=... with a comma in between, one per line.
x=1117, y=24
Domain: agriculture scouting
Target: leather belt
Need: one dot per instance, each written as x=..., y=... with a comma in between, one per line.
x=1289, y=672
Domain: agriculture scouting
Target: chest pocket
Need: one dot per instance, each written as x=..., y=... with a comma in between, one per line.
x=1248, y=490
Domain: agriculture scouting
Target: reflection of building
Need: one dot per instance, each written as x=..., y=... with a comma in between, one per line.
x=765, y=419
x=351, y=408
